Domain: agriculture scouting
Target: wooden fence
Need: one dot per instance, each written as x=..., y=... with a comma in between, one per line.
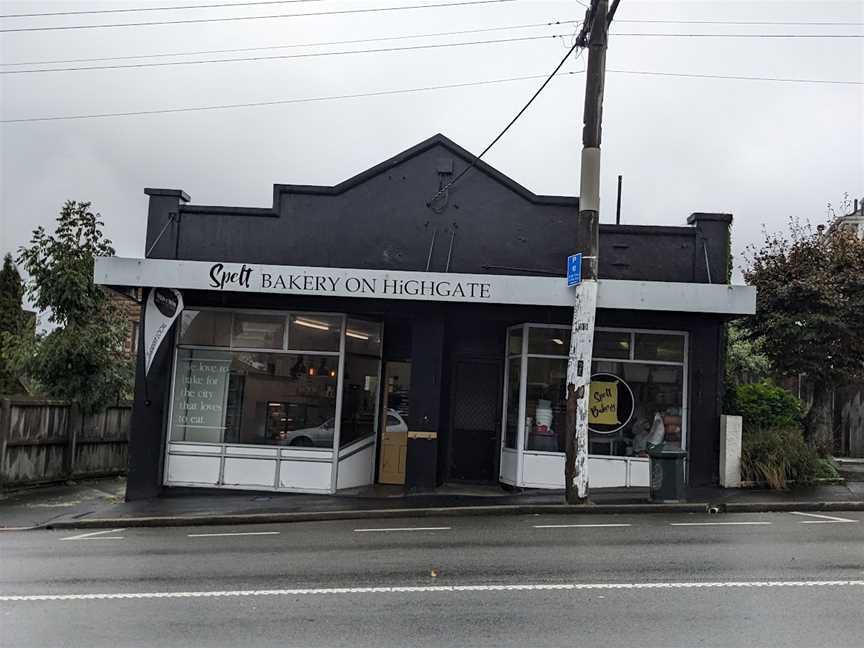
x=46, y=441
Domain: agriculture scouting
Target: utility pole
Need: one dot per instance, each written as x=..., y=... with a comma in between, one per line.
x=585, y=293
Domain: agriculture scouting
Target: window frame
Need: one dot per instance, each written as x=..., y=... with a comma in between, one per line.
x=525, y=357
x=178, y=345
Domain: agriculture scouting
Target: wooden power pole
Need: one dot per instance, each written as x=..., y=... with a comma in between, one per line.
x=585, y=295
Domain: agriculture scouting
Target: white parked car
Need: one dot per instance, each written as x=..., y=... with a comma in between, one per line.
x=321, y=436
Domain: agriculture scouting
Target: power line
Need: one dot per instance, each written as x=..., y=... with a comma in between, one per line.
x=280, y=101
x=414, y=90
x=739, y=77
x=578, y=41
x=295, y=45
x=737, y=22
x=175, y=8
x=189, y=21
x=742, y=35
x=377, y=50
x=379, y=39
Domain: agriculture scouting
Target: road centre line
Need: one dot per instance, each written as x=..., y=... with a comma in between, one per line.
x=578, y=526
x=442, y=528
x=96, y=535
x=239, y=533
x=432, y=589
x=719, y=523
x=823, y=519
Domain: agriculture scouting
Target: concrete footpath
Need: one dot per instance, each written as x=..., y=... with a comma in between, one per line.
x=99, y=504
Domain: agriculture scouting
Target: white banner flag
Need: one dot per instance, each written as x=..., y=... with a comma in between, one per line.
x=163, y=307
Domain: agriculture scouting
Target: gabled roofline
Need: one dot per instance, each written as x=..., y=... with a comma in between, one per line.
x=417, y=149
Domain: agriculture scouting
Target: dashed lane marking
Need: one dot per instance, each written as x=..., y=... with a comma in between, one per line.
x=239, y=533
x=578, y=526
x=442, y=528
x=96, y=535
x=719, y=523
x=823, y=519
x=433, y=589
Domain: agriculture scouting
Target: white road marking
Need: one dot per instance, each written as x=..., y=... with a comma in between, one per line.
x=577, y=526
x=823, y=519
x=430, y=589
x=96, y=535
x=718, y=523
x=447, y=528
x=239, y=533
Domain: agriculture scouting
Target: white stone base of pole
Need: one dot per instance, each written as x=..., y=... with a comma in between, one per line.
x=578, y=383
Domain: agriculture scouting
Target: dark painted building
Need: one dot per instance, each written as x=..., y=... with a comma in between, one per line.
x=358, y=333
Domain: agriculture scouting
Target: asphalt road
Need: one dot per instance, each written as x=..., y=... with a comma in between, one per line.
x=644, y=580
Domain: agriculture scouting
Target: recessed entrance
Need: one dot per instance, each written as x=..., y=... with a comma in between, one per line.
x=475, y=420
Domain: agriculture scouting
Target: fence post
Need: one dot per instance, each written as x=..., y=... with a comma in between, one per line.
x=73, y=425
x=5, y=431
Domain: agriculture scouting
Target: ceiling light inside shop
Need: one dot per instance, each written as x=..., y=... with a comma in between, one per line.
x=314, y=325
x=558, y=341
x=356, y=335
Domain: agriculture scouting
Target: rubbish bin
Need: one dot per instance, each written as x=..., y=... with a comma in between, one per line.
x=667, y=473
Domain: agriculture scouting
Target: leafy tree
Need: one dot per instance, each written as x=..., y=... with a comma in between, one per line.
x=81, y=359
x=745, y=360
x=13, y=321
x=810, y=301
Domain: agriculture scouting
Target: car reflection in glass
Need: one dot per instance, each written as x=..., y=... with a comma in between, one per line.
x=321, y=436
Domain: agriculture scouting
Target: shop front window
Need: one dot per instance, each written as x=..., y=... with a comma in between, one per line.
x=545, y=404
x=259, y=378
x=360, y=387
x=254, y=398
x=645, y=372
x=657, y=393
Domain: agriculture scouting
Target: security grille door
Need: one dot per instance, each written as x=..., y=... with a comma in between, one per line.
x=476, y=395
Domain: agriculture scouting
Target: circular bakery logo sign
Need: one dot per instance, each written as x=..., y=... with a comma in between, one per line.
x=166, y=301
x=610, y=403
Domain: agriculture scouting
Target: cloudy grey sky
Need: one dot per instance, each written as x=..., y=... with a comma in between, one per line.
x=763, y=150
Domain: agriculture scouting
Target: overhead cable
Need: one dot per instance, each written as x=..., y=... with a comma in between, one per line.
x=579, y=41
x=277, y=102
x=739, y=77
x=189, y=21
x=163, y=8
x=416, y=90
x=818, y=23
x=293, y=45
x=377, y=50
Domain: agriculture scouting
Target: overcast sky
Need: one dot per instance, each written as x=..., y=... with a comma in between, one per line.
x=762, y=150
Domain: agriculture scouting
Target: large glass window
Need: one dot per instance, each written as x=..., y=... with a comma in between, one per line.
x=360, y=388
x=545, y=404
x=652, y=366
x=658, y=392
x=246, y=397
x=253, y=390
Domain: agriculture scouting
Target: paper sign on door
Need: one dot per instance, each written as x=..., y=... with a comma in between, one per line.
x=603, y=403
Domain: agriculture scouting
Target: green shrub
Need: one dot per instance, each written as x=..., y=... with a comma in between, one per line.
x=764, y=406
x=778, y=455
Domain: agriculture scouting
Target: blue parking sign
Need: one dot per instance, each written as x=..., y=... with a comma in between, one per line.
x=574, y=269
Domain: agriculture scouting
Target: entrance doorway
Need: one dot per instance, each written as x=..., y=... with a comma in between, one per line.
x=475, y=420
x=394, y=429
